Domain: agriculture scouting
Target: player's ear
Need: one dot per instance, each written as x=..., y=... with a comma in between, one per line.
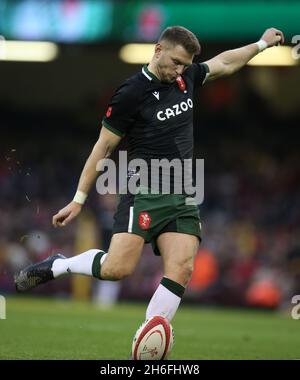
x=158, y=50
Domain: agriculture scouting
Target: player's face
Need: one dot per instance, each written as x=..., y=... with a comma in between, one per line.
x=171, y=61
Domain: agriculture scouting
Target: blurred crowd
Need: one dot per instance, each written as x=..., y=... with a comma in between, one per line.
x=250, y=251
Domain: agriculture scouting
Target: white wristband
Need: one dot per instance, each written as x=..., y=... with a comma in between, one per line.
x=80, y=197
x=262, y=45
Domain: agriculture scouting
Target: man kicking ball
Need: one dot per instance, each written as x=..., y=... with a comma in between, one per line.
x=154, y=109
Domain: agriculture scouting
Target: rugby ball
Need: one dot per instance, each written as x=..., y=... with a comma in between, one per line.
x=153, y=340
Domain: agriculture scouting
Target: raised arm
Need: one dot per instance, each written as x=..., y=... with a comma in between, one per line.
x=103, y=148
x=231, y=61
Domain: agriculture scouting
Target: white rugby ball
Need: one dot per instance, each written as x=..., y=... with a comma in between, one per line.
x=153, y=340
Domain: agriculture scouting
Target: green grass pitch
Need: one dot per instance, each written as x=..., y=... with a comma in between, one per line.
x=62, y=329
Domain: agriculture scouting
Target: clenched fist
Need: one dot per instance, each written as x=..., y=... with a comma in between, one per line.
x=65, y=215
x=273, y=37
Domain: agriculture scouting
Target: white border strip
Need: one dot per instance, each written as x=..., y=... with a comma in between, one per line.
x=130, y=219
x=2, y=307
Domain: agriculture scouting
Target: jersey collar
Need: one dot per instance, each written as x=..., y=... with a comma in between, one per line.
x=149, y=75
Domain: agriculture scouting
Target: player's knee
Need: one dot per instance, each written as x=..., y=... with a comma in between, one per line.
x=180, y=272
x=187, y=271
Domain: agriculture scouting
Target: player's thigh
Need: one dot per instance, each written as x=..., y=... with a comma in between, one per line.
x=178, y=251
x=124, y=252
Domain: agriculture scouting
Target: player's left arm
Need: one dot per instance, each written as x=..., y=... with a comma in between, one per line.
x=231, y=61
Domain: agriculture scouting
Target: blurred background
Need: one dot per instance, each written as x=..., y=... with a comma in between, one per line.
x=52, y=100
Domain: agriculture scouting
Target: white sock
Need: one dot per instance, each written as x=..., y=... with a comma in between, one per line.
x=80, y=264
x=164, y=301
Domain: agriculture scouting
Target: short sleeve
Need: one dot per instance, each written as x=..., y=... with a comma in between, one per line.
x=199, y=72
x=121, y=110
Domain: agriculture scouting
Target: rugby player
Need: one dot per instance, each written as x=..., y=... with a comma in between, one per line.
x=154, y=109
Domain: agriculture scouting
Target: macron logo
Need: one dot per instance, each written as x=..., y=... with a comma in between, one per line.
x=156, y=94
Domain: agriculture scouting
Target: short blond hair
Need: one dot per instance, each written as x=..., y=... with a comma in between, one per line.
x=178, y=35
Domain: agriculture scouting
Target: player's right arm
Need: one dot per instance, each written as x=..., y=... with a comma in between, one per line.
x=103, y=148
x=116, y=123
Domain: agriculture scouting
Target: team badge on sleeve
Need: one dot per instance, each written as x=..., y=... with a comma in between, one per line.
x=108, y=112
x=144, y=220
